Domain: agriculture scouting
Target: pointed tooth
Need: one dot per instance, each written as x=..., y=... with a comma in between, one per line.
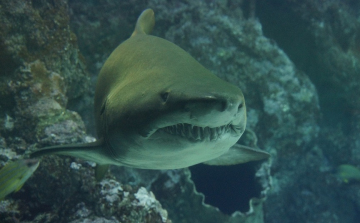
x=195, y=132
x=213, y=134
x=200, y=133
x=182, y=130
x=192, y=131
x=206, y=133
x=178, y=128
x=171, y=129
x=188, y=131
x=218, y=130
x=185, y=131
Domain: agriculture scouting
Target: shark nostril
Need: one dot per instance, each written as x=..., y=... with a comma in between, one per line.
x=240, y=105
x=223, y=105
x=164, y=96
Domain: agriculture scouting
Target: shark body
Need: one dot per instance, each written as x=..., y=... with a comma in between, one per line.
x=156, y=107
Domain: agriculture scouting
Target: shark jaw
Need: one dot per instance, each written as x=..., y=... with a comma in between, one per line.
x=195, y=133
x=180, y=145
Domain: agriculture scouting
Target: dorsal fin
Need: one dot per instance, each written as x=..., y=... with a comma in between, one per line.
x=145, y=23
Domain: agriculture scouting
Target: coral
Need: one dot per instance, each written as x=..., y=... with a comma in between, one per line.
x=39, y=56
x=128, y=204
x=44, y=35
x=96, y=220
x=147, y=200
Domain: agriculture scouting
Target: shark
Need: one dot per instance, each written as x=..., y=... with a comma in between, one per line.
x=156, y=107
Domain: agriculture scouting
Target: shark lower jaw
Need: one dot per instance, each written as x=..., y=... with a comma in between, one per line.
x=197, y=133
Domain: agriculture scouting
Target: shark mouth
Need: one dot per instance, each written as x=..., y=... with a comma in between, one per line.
x=198, y=133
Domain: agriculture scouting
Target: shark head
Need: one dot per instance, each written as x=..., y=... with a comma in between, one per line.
x=164, y=110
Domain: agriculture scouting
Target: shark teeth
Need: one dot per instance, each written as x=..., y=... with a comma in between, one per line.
x=199, y=133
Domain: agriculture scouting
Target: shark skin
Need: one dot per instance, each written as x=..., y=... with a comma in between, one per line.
x=156, y=107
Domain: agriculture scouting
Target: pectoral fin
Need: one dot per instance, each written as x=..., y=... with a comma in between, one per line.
x=238, y=154
x=94, y=151
x=100, y=171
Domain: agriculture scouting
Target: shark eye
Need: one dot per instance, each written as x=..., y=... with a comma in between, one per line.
x=164, y=96
x=102, y=109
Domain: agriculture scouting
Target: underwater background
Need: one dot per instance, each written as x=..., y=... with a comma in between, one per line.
x=296, y=61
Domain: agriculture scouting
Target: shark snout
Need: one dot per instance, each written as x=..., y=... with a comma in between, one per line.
x=206, y=104
x=215, y=109
x=213, y=103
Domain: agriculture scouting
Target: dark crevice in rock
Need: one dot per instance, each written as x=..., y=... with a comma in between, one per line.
x=7, y=63
x=228, y=188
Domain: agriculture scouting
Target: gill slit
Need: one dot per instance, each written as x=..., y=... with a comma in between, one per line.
x=109, y=147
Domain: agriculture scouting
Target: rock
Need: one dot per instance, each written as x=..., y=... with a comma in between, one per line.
x=285, y=77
